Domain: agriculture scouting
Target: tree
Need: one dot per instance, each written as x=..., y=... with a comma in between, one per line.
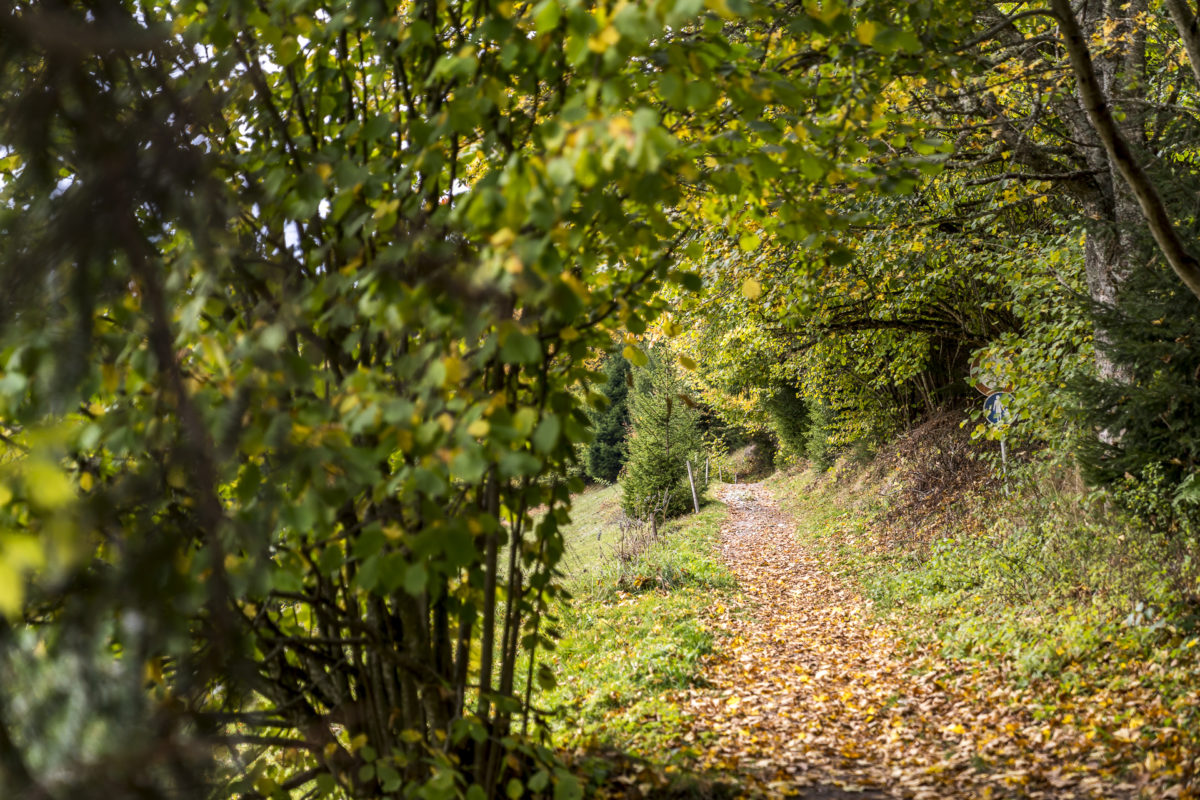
x=607, y=452
x=664, y=437
x=1021, y=121
x=298, y=300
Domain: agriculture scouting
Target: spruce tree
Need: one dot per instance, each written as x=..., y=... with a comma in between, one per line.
x=607, y=452
x=665, y=434
x=1146, y=423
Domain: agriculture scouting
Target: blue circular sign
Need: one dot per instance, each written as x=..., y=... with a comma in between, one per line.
x=994, y=410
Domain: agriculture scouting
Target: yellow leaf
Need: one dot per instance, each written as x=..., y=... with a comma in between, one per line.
x=110, y=378
x=48, y=486
x=22, y=552
x=12, y=590
x=720, y=7
x=604, y=40
x=635, y=356
x=827, y=11
x=177, y=478
x=478, y=428
x=265, y=786
x=86, y=482
x=865, y=32
x=385, y=208
x=687, y=362
x=751, y=289
x=503, y=238
x=5, y=494
x=455, y=370
x=153, y=671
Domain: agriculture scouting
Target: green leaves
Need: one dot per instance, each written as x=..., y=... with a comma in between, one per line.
x=635, y=355
x=519, y=347
x=339, y=323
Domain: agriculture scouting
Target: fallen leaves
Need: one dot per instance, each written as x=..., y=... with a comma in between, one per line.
x=807, y=690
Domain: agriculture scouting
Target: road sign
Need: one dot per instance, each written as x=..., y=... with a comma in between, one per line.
x=990, y=376
x=996, y=413
x=994, y=410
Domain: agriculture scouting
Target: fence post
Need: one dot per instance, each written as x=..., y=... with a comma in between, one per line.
x=692, y=483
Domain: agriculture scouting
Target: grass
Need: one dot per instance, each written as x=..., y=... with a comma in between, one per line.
x=631, y=633
x=594, y=531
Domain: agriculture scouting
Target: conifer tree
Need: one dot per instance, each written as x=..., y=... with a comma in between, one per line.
x=607, y=452
x=665, y=433
x=1144, y=428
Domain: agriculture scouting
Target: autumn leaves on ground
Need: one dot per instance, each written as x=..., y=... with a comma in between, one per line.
x=803, y=689
x=810, y=691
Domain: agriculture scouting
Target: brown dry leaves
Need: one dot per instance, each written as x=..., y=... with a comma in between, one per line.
x=805, y=690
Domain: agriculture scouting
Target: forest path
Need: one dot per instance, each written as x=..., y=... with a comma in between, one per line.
x=810, y=696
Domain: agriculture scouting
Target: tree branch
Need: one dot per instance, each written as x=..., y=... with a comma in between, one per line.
x=1092, y=96
x=1189, y=31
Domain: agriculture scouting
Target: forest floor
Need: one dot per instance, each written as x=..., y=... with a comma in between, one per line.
x=807, y=690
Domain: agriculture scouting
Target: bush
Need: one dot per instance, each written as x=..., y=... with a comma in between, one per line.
x=818, y=446
x=789, y=415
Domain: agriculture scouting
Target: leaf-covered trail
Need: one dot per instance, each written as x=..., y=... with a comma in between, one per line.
x=805, y=691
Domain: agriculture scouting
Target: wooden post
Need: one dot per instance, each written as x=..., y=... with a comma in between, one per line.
x=692, y=483
x=706, y=472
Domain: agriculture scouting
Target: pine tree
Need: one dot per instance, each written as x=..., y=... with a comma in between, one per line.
x=665, y=434
x=607, y=453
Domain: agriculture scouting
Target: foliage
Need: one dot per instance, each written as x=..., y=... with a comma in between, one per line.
x=607, y=452
x=1147, y=417
x=297, y=306
x=664, y=438
x=297, y=302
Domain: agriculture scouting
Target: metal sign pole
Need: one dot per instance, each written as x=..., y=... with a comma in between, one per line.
x=997, y=415
x=1004, y=463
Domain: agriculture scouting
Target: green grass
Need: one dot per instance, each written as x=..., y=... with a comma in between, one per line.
x=594, y=531
x=632, y=633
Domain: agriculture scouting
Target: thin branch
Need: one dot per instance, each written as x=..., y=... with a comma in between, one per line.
x=1092, y=96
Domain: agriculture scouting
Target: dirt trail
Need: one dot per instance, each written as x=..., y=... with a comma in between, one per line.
x=807, y=693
